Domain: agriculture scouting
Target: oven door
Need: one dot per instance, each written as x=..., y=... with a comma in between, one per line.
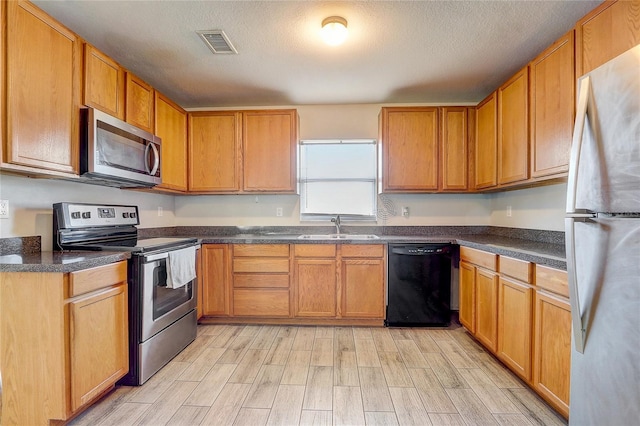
x=161, y=305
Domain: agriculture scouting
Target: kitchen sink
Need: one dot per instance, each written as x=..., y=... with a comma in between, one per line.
x=338, y=237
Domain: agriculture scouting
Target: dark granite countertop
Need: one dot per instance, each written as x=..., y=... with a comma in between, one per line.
x=62, y=262
x=541, y=247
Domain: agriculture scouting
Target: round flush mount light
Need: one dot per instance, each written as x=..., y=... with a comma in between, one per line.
x=334, y=30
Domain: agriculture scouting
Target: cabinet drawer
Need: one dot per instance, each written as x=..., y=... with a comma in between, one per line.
x=261, y=250
x=315, y=250
x=259, y=264
x=92, y=279
x=478, y=257
x=260, y=280
x=553, y=280
x=261, y=303
x=515, y=268
x=362, y=250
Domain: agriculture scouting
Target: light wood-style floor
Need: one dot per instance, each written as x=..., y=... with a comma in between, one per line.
x=282, y=375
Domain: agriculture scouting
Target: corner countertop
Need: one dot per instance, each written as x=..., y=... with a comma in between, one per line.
x=59, y=262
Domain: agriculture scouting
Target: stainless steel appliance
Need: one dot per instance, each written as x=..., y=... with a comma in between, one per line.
x=603, y=245
x=162, y=319
x=419, y=285
x=115, y=153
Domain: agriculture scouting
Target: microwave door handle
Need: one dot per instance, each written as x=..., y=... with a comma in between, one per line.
x=156, y=158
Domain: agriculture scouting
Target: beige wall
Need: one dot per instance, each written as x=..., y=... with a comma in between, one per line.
x=31, y=199
x=30, y=202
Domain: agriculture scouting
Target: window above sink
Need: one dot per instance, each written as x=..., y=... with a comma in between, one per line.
x=338, y=177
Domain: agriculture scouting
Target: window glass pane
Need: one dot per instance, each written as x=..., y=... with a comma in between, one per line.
x=343, y=161
x=338, y=177
x=357, y=198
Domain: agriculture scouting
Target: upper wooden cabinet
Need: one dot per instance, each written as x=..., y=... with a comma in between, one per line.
x=454, y=147
x=43, y=91
x=214, y=151
x=486, y=143
x=606, y=32
x=409, y=138
x=513, y=129
x=551, y=108
x=171, y=127
x=140, y=101
x=104, y=82
x=243, y=151
x=269, y=143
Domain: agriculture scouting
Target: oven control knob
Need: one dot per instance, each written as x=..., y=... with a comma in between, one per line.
x=132, y=215
x=125, y=214
x=75, y=215
x=86, y=215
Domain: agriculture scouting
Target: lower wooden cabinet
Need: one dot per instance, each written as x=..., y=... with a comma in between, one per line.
x=487, y=308
x=261, y=280
x=315, y=280
x=521, y=317
x=515, y=313
x=216, y=276
x=65, y=341
x=363, y=288
x=552, y=339
x=467, y=296
x=297, y=283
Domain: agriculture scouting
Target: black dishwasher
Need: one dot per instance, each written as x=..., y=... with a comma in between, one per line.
x=419, y=285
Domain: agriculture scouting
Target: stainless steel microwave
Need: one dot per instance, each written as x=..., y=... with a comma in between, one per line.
x=115, y=153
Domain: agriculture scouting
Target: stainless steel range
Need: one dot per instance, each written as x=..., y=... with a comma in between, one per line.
x=162, y=316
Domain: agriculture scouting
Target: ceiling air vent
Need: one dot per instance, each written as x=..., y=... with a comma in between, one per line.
x=217, y=41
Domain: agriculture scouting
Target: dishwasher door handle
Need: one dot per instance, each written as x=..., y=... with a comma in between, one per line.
x=421, y=252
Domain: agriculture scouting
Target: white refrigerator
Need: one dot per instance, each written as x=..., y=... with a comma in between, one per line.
x=603, y=246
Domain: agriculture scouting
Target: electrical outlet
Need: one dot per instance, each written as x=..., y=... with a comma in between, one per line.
x=509, y=213
x=4, y=209
x=405, y=211
x=279, y=211
x=160, y=211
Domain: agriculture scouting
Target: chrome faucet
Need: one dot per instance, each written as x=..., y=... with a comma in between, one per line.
x=336, y=220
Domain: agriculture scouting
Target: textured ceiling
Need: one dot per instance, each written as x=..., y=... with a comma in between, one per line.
x=397, y=51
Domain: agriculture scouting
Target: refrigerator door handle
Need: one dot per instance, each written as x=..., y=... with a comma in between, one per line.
x=579, y=331
x=583, y=108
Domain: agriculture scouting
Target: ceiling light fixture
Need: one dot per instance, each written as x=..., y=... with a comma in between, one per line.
x=334, y=30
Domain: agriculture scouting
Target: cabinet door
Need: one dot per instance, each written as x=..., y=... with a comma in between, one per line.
x=552, y=350
x=216, y=279
x=362, y=288
x=486, y=149
x=315, y=287
x=468, y=296
x=487, y=308
x=513, y=129
x=139, y=111
x=269, y=149
x=43, y=90
x=98, y=343
x=606, y=32
x=214, y=151
x=454, y=149
x=409, y=149
x=515, y=313
x=103, y=82
x=171, y=127
x=551, y=96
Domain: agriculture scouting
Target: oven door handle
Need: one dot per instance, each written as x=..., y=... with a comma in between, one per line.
x=164, y=255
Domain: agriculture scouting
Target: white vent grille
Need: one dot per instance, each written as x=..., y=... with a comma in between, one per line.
x=217, y=41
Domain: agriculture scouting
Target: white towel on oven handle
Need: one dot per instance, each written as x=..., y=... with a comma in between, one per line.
x=181, y=267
